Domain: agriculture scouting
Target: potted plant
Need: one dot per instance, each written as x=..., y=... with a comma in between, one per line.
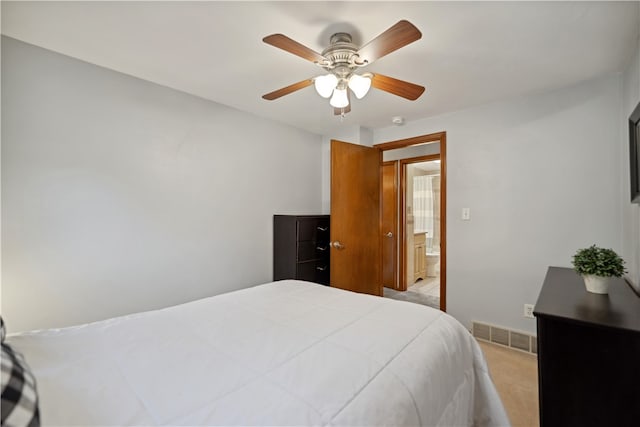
x=597, y=266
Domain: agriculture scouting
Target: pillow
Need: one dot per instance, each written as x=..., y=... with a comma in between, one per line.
x=19, y=396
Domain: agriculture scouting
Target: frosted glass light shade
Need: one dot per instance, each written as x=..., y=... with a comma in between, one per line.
x=359, y=85
x=339, y=98
x=325, y=85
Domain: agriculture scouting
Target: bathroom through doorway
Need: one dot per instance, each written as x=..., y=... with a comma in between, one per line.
x=413, y=219
x=422, y=218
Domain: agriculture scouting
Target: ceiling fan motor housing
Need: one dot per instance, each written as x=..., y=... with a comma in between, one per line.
x=342, y=55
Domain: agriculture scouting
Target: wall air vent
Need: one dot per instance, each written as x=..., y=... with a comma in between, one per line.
x=506, y=337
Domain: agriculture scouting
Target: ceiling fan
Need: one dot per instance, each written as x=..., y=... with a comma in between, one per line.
x=341, y=60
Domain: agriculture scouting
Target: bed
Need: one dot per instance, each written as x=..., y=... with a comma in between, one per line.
x=283, y=353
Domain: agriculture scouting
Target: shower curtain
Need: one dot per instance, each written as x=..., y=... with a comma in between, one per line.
x=423, y=206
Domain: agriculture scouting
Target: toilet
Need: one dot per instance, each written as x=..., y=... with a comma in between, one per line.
x=433, y=264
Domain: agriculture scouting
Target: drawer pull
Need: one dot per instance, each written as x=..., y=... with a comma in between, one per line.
x=323, y=228
x=322, y=248
x=321, y=268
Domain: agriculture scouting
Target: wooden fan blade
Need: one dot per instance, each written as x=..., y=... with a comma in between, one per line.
x=285, y=43
x=287, y=90
x=401, y=88
x=400, y=35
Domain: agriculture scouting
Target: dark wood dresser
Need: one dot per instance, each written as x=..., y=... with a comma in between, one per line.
x=588, y=353
x=301, y=248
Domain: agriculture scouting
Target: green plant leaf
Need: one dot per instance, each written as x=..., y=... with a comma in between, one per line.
x=598, y=261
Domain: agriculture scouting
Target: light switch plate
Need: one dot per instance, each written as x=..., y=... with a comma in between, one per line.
x=466, y=214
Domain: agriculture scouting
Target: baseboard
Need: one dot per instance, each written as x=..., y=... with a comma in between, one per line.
x=506, y=337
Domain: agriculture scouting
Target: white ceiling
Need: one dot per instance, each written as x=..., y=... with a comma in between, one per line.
x=470, y=53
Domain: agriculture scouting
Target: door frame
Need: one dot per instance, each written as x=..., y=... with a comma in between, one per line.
x=419, y=140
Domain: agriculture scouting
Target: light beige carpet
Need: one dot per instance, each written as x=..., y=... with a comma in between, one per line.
x=515, y=375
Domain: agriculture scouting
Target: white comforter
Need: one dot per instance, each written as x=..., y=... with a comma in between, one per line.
x=283, y=353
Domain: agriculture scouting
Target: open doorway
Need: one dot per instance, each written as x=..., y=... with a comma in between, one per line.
x=420, y=205
x=413, y=219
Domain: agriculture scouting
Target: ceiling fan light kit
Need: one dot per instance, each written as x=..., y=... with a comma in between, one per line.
x=340, y=98
x=360, y=85
x=325, y=85
x=342, y=58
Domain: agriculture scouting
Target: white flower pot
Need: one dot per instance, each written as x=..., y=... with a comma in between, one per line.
x=596, y=284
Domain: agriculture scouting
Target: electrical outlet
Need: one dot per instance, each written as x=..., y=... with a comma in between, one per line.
x=528, y=311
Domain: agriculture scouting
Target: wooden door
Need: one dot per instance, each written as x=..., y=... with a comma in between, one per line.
x=355, y=218
x=389, y=208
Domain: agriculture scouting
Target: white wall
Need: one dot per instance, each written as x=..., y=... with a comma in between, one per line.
x=630, y=212
x=541, y=175
x=119, y=195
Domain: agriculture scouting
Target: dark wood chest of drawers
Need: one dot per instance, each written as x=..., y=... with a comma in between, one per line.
x=301, y=248
x=588, y=353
